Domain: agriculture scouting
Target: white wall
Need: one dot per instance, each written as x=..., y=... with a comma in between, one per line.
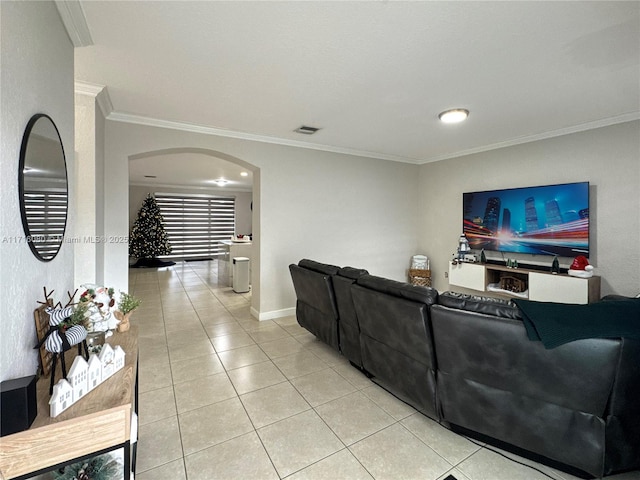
x=85, y=251
x=100, y=204
x=329, y=207
x=89, y=129
x=36, y=68
x=609, y=158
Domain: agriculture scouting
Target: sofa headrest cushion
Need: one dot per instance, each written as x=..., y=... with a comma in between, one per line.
x=318, y=267
x=352, y=273
x=479, y=304
x=416, y=293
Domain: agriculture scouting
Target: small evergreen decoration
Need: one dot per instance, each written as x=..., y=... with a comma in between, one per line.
x=103, y=467
x=79, y=315
x=148, y=238
x=128, y=303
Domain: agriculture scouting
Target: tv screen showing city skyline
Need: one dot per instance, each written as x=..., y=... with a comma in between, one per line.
x=547, y=220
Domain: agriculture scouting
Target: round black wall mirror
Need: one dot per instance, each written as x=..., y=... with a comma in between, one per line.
x=42, y=180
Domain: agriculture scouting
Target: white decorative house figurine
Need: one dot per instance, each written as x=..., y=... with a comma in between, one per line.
x=106, y=359
x=118, y=358
x=79, y=377
x=85, y=376
x=95, y=372
x=62, y=397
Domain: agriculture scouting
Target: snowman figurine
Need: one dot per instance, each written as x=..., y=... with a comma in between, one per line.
x=101, y=303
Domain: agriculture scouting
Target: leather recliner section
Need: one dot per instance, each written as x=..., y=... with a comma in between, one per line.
x=395, y=339
x=557, y=403
x=316, y=308
x=466, y=361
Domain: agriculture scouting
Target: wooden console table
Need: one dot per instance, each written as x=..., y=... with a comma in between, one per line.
x=99, y=422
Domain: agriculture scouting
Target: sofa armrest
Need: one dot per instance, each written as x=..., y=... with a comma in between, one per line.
x=474, y=303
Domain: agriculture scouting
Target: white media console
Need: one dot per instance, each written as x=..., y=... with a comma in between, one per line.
x=541, y=286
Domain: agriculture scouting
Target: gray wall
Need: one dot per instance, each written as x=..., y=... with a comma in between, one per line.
x=36, y=77
x=331, y=207
x=608, y=157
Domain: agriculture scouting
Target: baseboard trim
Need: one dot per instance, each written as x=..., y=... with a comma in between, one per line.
x=285, y=312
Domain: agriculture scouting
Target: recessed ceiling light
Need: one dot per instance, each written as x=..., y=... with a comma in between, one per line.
x=306, y=130
x=244, y=174
x=455, y=115
x=221, y=182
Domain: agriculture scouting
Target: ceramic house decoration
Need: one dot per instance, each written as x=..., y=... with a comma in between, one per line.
x=61, y=399
x=78, y=377
x=85, y=376
x=106, y=359
x=118, y=358
x=94, y=372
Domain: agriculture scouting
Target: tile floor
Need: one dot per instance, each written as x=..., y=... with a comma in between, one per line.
x=223, y=396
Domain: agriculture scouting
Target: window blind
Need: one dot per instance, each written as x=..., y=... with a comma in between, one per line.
x=195, y=224
x=46, y=214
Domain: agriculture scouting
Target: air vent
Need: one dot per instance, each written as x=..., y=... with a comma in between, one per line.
x=306, y=130
x=150, y=176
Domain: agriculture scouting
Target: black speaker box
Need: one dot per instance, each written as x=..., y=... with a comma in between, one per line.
x=18, y=404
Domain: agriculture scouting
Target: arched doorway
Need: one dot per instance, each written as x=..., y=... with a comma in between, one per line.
x=201, y=171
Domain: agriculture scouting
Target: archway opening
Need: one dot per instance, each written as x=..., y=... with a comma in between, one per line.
x=188, y=177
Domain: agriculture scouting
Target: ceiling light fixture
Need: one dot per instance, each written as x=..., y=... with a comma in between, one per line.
x=244, y=174
x=455, y=115
x=221, y=182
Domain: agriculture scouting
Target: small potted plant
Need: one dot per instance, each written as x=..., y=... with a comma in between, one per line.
x=127, y=304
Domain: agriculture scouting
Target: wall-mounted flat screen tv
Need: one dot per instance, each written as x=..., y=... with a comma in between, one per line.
x=544, y=220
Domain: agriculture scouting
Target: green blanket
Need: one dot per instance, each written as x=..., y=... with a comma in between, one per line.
x=555, y=324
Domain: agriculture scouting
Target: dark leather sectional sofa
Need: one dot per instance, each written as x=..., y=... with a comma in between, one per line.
x=466, y=362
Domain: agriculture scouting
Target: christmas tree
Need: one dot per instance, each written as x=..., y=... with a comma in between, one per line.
x=148, y=238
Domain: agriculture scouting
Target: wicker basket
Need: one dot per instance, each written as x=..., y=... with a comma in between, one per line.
x=420, y=277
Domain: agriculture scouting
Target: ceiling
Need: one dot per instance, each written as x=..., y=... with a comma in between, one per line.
x=372, y=75
x=193, y=170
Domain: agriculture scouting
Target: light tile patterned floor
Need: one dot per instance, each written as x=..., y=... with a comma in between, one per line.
x=223, y=396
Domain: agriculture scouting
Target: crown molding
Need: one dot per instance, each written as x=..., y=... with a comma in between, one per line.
x=605, y=122
x=187, y=127
x=89, y=89
x=75, y=22
x=99, y=92
x=192, y=128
